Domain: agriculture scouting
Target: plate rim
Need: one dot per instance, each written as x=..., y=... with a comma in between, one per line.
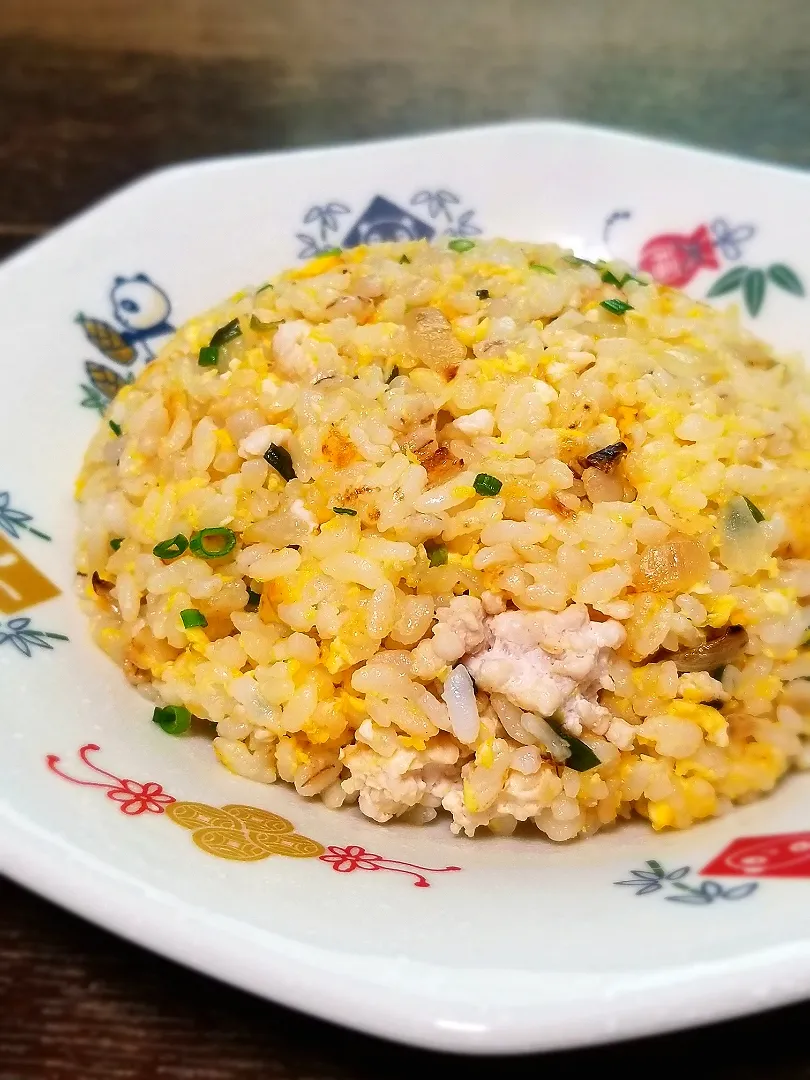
x=691, y=996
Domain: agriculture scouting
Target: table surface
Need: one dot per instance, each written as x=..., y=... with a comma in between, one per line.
x=95, y=92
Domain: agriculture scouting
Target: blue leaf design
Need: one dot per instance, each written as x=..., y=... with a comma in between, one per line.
x=421, y=197
x=690, y=898
x=448, y=196
x=676, y=875
x=313, y=214
x=650, y=887
x=739, y=892
x=309, y=246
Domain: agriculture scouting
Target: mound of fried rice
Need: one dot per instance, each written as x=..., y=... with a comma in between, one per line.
x=516, y=537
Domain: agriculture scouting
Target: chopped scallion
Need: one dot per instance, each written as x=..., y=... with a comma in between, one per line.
x=437, y=554
x=172, y=548
x=330, y=251
x=173, y=719
x=582, y=758
x=344, y=510
x=257, y=324
x=225, y=334
x=404, y=259
x=253, y=600
x=261, y=288
x=279, y=459
x=191, y=618
x=460, y=245
x=114, y=428
x=485, y=484
x=208, y=356
x=575, y=260
x=756, y=513
x=394, y=374
x=212, y=543
x=617, y=307
x=610, y=278
x=116, y=542
x=541, y=268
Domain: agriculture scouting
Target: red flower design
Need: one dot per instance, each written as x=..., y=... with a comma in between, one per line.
x=675, y=258
x=134, y=798
x=778, y=855
x=347, y=860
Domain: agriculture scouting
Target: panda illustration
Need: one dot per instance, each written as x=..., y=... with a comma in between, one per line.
x=141, y=308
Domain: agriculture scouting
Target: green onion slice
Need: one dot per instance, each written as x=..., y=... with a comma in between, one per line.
x=394, y=374
x=617, y=307
x=212, y=543
x=756, y=513
x=116, y=542
x=329, y=251
x=208, y=356
x=253, y=600
x=541, y=268
x=172, y=548
x=404, y=259
x=485, y=484
x=114, y=428
x=610, y=278
x=173, y=719
x=344, y=510
x=225, y=334
x=437, y=554
x=191, y=618
x=582, y=757
x=279, y=459
x=460, y=245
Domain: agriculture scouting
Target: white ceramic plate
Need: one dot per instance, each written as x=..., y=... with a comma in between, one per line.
x=500, y=944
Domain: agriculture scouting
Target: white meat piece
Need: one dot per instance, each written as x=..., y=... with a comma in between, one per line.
x=303, y=514
x=390, y=786
x=256, y=443
x=545, y=662
x=480, y=422
x=460, y=628
x=292, y=359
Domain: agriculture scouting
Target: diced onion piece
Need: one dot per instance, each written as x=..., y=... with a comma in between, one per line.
x=432, y=339
x=602, y=487
x=713, y=654
x=459, y=697
x=545, y=733
x=673, y=567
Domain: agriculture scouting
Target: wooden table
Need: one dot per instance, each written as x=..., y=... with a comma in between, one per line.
x=95, y=92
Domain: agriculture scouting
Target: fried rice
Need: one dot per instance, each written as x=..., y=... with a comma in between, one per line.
x=473, y=527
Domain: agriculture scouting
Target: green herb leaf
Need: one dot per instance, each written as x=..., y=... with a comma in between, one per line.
x=174, y=719
x=208, y=356
x=482, y=294
x=754, y=290
x=116, y=542
x=404, y=259
x=257, y=324
x=261, y=288
x=460, y=245
x=575, y=260
x=582, y=757
x=618, y=307
x=728, y=282
x=329, y=251
x=279, y=459
x=610, y=278
x=485, y=484
x=114, y=428
x=394, y=374
x=541, y=268
x=344, y=510
x=755, y=510
x=253, y=600
x=191, y=618
x=437, y=554
x=225, y=334
x=786, y=279
x=212, y=543
x=172, y=548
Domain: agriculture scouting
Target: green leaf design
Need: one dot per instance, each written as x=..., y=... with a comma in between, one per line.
x=786, y=279
x=728, y=282
x=754, y=290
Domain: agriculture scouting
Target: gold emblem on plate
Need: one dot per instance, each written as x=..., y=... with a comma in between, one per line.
x=242, y=833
